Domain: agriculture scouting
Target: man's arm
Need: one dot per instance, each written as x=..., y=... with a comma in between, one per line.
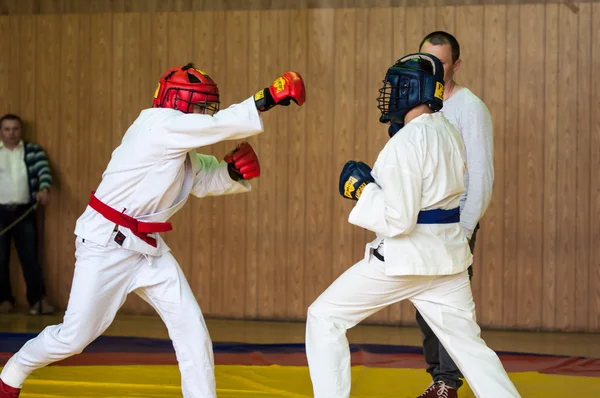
x=479, y=145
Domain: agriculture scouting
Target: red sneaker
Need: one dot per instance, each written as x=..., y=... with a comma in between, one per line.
x=439, y=390
x=8, y=391
x=430, y=392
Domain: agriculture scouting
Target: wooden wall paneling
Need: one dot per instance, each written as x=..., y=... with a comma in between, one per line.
x=537, y=231
x=511, y=170
x=266, y=188
x=297, y=150
x=567, y=171
x=13, y=92
x=145, y=6
x=429, y=22
x=84, y=143
x=363, y=127
x=156, y=5
x=67, y=173
x=91, y=6
x=70, y=6
x=252, y=210
x=82, y=7
x=343, y=113
x=97, y=6
x=5, y=40
x=414, y=31
x=120, y=74
x=25, y=39
x=319, y=168
x=50, y=6
x=201, y=208
x=254, y=206
x=48, y=136
x=147, y=72
x=470, y=19
x=9, y=104
x=445, y=18
x=490, y=237
x=101, y=70
x=400, y=45
x=583, y=167
x=25, y=7
x=530, y=179
x=183, y=5
x=159, y=37
x=551, y=90
x=234, y=246
x=594, y=237
x=283, y=238
x=117, y=6
x=218, y=211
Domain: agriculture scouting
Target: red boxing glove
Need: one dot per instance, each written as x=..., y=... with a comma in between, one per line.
x=242, y=162
x=289, y=86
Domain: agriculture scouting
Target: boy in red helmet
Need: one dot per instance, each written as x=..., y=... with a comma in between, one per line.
x=118, y=246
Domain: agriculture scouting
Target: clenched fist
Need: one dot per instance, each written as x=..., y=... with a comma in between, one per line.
x=242, y=162
x=286, y=88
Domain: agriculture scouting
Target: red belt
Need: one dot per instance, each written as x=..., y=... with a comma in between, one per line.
x=139, y=228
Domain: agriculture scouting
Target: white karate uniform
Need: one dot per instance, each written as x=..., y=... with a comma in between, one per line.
x=149, y=177
x=420, y=168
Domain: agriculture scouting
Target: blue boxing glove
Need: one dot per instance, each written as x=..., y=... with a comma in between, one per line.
x=354, y=178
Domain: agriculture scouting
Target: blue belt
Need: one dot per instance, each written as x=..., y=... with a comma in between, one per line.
x=434, y=216
x=439, y=216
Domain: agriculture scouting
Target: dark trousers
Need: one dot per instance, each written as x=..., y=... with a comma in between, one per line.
x=441, y=367
x=24, y=234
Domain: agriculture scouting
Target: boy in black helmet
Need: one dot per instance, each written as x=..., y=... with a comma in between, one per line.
x=410, y=199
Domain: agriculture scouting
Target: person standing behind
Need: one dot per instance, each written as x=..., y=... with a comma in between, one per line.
x=471, y=117
x=25, y=178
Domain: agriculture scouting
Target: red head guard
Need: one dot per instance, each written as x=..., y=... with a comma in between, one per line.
x=183, y=87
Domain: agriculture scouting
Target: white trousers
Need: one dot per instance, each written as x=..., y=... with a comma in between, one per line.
x=103, y=278
x=446, y=303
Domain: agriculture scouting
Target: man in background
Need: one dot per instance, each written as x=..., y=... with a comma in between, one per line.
x=25, y=181
x=472, y=119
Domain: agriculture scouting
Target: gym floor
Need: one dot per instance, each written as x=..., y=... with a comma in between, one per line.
x=134, y=358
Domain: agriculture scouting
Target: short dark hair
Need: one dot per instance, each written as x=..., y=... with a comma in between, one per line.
x=11, y=116
x=439, y=38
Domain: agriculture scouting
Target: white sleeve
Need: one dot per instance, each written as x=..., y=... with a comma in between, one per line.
x=391, y=206
x=212, y=179
x=477, y=132
x=189, y=130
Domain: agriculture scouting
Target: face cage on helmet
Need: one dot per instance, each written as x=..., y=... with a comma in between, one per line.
x=386, y=95
x=211, y=107
x=383, y=101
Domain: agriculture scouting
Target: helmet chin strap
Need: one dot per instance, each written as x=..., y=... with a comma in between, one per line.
x=394, y=128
